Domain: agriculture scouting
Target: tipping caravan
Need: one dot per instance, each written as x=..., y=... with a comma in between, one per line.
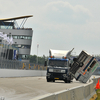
x=83, y=67
x=58, y=66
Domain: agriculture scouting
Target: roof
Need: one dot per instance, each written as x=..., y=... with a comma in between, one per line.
x=58, y=53
x=14, y=18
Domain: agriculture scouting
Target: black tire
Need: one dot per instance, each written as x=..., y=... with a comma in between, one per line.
x=48, y=80
x=53, y=80
x=81, y=64
x=68, y=81
x=75, y=59
x=65, y=81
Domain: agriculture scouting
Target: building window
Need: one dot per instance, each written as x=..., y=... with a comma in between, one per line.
x=25, y=37
x=6, y=27
x=29, y=37
x=21, y=37
x=22, y=46
x=18, y=37
x=23, y=57
x=14, y=37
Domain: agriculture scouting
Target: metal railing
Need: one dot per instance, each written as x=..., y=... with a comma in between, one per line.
x=15, y=64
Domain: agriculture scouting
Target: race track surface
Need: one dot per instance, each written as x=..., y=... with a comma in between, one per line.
x=26, y=88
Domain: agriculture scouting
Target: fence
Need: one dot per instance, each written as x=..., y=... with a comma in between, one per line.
x=15, y=64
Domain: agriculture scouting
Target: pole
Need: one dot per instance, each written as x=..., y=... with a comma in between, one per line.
x=6, y=50
x=37, y=54
x=1, y=54
x=3, y=49
x=0, y=49
x=9, y=46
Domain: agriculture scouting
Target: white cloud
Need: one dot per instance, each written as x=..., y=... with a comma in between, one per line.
x=64, y=26
x=56, y=24
x=64, y=12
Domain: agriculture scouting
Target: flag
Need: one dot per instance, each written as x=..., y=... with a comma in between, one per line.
x=1, y=34
x=5, y=37
x=11, y=40
x=8, y=40
x=15, y=53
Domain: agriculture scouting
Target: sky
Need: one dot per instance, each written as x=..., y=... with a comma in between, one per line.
x=58, y=24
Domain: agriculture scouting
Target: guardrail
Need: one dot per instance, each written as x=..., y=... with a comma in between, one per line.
x=78, y=93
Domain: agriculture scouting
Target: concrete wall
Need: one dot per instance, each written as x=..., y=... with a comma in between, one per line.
x=23, y=41
x=21, y=73
x=18, y=31
x=24, y=51
x=78, y=93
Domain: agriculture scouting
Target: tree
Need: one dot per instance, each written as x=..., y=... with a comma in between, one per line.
x=41, y=60
x=33, y=59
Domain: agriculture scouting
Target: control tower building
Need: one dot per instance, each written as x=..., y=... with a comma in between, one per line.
x=22, y=37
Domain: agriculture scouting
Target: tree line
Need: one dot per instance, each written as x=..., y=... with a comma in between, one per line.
x=37, y=60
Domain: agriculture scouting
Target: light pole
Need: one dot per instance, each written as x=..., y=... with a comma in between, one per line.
x=37, y=53
x=15, y=52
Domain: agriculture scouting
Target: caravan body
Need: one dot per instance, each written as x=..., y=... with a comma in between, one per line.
x=83, y=67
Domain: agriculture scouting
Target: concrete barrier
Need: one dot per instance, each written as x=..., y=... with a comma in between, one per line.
x=89, y=90
x=45, y=97
x=21, y=73
x=70, y=94
x=62, y=95
x=95, y=80
x=78, y=93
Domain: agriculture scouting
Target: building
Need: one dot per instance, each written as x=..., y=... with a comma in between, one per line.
x=22, y=37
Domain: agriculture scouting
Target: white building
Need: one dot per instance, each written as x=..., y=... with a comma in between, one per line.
x=22, y=37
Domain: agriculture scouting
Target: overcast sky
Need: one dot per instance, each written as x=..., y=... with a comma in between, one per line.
x=58, y=24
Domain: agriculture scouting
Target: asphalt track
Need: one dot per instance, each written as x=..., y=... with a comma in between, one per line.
x=26, y=88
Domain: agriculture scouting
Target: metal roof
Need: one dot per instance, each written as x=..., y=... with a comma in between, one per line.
x=14, y=18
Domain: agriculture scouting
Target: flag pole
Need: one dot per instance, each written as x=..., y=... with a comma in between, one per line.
x=9, y=46
x=2, y=49
x=5, y=49
x=1, y=54
x=1, y=35
x=8, y=52
x=5, y=38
